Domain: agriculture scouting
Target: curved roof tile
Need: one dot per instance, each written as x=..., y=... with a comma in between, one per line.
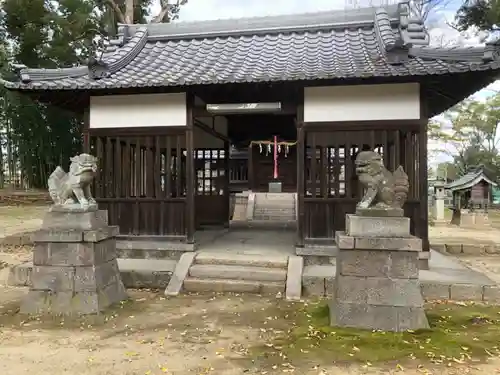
x=327, y=45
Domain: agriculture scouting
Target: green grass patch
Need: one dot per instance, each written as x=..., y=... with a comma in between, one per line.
x=459, y=333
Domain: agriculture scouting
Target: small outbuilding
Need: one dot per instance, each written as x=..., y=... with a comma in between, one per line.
x=472, y=190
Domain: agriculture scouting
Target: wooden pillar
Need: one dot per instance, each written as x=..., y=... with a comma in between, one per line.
x=424, y=209
x=301, y=167
x=423, y=178
x=250, y=167
x=301, y=147
x=190, y=177
x=85, y=131
x=227, y=192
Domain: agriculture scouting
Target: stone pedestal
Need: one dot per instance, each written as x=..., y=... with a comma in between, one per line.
x=74, y=265
x=275, y=187
x=474, y=219
x=376, y=282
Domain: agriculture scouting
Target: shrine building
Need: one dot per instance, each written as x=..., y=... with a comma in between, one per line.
x=182, y=115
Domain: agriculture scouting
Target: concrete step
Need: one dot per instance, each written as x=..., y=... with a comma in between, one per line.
x=223, y=258
x=234, y=272
x=193, y=284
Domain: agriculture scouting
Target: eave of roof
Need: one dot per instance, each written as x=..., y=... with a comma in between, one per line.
x=469, y=180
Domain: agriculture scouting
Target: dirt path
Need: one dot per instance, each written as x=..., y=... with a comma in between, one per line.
x=452, y=234
x=154, y=335
x=16, y=219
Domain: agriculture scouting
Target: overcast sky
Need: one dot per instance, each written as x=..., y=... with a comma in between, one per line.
x=438, y=21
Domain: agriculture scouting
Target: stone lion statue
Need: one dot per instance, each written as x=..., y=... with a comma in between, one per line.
x=383, y=189
x=68, y=189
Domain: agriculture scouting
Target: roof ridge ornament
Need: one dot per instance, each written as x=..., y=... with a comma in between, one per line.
x=97, y=69
x=396, y=51
x=491, y=50
x=412, y=29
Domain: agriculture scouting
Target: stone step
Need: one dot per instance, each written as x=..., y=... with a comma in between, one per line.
x=275, y=196
x=264, y=225
x=273, y=212
x=193, y=284
x=272, y=204
x=274, y=218
x=231, y=259
x=274, y=208
x=224, y=271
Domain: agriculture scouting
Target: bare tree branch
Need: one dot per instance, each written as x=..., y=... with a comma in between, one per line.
x=165, y=9
x=168, y=11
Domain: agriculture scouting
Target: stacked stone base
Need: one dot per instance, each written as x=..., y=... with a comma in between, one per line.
x=376, y=284
x=75, y=271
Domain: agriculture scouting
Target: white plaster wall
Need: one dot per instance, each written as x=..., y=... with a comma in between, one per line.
x=143, y=110
x=399, y=101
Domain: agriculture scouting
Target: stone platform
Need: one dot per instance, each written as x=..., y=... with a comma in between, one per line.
x=74, y=265
x=376, y=282
x=446, y=279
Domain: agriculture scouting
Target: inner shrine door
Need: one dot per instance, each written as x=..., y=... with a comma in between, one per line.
x=261, y=168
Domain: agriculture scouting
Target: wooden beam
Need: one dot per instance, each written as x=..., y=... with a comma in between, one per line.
x=287, y=108
x=190, y=177
x=227, y=201
x=250, y=166
x=210, y=131
x=85, y=131
x=371, y=125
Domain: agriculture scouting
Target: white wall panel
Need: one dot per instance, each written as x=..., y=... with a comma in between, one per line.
x=362, y=102
x=142, y=110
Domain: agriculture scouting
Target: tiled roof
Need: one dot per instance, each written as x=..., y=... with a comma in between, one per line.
x=363, y=43
x=469, y=180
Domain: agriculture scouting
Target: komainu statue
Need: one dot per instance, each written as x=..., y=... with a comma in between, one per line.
x=72, y=188
x=383, y=189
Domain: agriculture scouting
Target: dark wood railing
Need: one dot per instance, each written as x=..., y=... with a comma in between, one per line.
x=141, y=181
x=331, y=188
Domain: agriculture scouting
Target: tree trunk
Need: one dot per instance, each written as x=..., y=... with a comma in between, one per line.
x=129, y=12
x=2, y=164
x=10, y=158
